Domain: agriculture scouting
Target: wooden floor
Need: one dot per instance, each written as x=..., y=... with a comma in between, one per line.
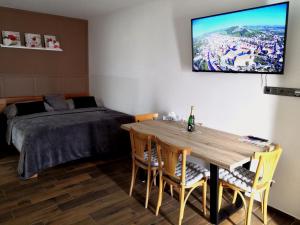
x=93, y=192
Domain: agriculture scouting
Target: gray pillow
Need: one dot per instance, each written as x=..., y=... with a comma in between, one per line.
x=10, y=111
x=48, y=107
x=99, y=102
x=70, y=103
x=57, y=102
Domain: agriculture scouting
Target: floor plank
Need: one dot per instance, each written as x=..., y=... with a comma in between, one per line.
x=94, y=191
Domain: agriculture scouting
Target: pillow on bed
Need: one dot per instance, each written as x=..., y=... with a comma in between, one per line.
x=10, y=111
x=84, y=102
x=57, y=102
x=48, y=108
x=70, y=103
x=27, y=108
x=99, y=102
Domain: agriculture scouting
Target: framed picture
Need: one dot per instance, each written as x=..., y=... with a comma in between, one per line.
x=11, y=38
x=51, y=42
x=33, y=40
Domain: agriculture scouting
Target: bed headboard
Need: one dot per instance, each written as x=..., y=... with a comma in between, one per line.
x=11, y=100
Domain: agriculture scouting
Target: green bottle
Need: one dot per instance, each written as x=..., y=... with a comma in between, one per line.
x=191, y=121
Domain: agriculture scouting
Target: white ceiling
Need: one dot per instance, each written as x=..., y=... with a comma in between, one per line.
x=72, y=8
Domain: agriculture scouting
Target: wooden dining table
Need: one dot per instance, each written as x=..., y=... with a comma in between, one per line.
x=220, y=149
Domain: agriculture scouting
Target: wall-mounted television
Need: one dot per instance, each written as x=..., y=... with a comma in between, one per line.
x=246, y=41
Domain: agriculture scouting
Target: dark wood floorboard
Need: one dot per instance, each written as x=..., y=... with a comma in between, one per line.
x=93, y=191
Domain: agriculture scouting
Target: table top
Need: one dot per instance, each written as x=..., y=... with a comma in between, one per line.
x=216, y=147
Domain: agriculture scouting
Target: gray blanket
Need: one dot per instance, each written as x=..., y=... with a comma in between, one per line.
x=51, y=138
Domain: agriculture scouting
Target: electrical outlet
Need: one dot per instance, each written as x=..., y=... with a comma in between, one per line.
x=295, y=92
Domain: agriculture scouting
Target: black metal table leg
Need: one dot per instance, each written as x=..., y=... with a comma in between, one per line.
x=214, y=194
x=215, y=216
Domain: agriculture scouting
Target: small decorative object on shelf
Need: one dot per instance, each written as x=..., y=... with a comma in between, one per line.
x=51, y=42
x=33, y=40
x=191, y=120
x=11, y=38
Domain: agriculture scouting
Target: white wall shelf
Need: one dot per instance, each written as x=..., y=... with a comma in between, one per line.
x=24, y=47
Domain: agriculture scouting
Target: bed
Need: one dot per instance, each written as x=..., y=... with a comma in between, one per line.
x=48, y=139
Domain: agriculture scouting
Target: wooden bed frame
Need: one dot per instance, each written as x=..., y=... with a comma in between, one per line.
x=11, y=100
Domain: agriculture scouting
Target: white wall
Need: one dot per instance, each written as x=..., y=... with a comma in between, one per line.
x=140, y=61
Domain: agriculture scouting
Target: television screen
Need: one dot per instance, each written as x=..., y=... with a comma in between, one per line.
x=250, y=41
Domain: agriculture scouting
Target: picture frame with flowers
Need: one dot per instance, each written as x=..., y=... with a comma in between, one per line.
x=51, y=42
x=11, y=38
x=33, y=40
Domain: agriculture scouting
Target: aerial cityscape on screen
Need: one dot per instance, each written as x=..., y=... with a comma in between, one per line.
x=246, y=41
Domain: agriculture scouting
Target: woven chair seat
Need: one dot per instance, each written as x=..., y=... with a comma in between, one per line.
x=194, y=172
x=154, y=159
x=239, y=177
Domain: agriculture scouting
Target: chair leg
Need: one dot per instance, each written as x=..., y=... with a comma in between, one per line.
x=244, y=201
x=261, y=194
x=160, y=194
x=234, y=197
x=151, y=183
x=133, y=177
x=204, y=192
x=154, y=177
x=220, y=195
x=265, y=210
x=249, y=211
x=181, y=200
x=148, y=188
x=171, y=190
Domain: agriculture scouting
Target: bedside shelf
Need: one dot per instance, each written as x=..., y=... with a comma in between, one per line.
x=24, y=47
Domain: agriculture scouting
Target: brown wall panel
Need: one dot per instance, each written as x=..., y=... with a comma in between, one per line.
x=45, y=69
x=73, y=84
x=19, y=86
x=1, y=87
x=47, y=85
